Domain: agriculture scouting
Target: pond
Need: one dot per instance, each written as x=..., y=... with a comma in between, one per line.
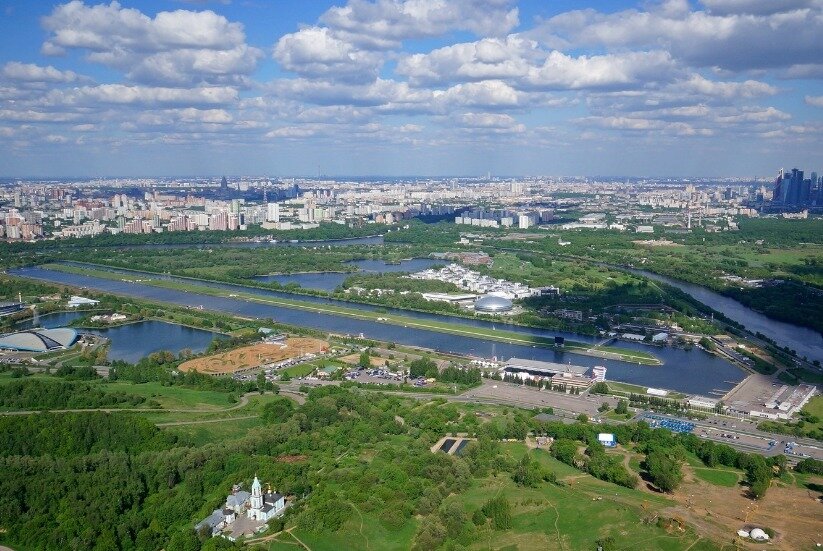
x=134, y=341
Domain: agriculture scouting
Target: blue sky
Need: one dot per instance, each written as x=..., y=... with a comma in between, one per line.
x=410, y=87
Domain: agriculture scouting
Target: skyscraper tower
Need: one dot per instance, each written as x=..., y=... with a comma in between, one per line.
x=224, y=185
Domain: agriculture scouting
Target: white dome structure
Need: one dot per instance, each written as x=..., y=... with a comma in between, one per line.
x=758, y=535
x=493, y=304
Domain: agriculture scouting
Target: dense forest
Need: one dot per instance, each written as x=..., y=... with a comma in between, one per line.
x=72, y=434
x=57, y=394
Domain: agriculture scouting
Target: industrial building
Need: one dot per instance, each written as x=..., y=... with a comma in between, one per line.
x=39, y=340
x=785, y=402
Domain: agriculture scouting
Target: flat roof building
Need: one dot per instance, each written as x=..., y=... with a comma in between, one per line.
x=569, y=376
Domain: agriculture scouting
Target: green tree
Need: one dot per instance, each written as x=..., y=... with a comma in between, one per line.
x=664, y=470
x=278, y=410
x=498, y=509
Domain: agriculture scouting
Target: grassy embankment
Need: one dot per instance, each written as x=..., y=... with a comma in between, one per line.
x=392, y=319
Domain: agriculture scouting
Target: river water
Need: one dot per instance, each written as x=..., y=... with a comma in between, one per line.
x=804, y=341
x=692, y=371
x=329, y=281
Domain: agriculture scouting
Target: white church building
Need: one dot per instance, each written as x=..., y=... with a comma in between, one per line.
x=264, y=506
x=244, y=513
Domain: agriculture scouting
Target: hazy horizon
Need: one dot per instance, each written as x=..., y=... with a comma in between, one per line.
x=395, y=87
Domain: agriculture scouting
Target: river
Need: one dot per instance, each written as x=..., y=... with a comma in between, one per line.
x=693, y=371
x=806, y=342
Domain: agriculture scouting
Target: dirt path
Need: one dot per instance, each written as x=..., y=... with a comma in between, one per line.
x=205, y=421
x=361, y=524
x=556, y=528
x=243, y=402
x=306, y=547
x=272, y=537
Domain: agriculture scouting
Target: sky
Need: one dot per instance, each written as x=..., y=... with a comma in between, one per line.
x=410, y=88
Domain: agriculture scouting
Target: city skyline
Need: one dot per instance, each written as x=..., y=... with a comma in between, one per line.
x=393, y=88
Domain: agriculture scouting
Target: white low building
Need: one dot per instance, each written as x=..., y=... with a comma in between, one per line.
x=76, y=301
x=702, y=402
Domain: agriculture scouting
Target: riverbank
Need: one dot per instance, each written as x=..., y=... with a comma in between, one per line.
x=509, y=337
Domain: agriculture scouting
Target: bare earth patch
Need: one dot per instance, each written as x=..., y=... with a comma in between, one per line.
x=251, y=357
x=718, y=512
x=292, y=458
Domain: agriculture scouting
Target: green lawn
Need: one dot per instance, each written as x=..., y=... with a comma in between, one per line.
x=174, y=397
x=627, y=388
x=364, y=532
x=254, y=407
x=205, y=433
x=516, y=450
x=572, y=517
x=300, y=370
x=815, y=407
x=718, y=477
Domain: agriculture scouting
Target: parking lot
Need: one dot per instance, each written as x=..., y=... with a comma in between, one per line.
x=531, y=397
x=374, y=376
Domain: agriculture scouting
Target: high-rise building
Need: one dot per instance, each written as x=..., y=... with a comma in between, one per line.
x=273, y=212
x=791, y=188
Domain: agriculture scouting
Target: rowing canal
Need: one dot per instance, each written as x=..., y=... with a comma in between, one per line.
x=690, y=371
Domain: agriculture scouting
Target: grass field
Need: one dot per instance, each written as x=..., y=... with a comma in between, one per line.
x=626, y=388
x=392, y=319
x=173, y=397
x=299, y=370
x=571, y=516
x=204, y=433
x=362, y=531
x=815, y=407
x=718, y=477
